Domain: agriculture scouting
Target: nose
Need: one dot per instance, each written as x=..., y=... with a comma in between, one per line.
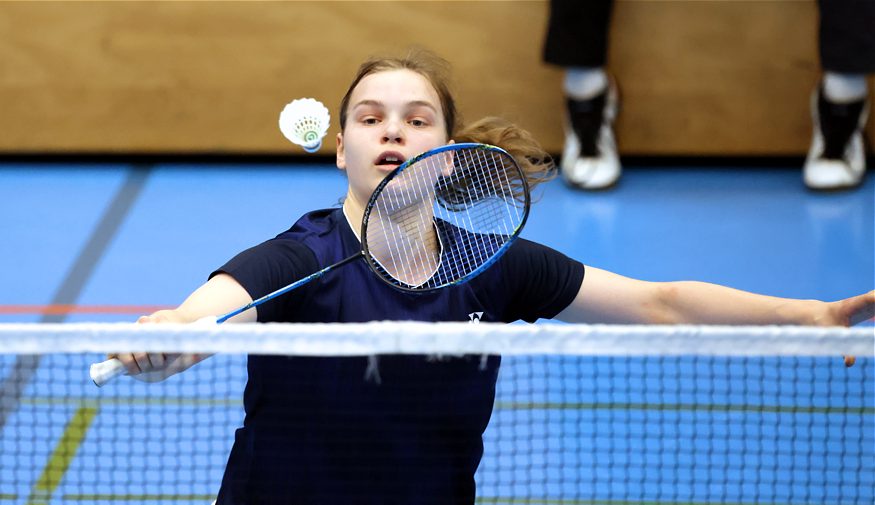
x=394, y=132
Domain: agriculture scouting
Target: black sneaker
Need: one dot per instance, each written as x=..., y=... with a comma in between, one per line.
x=589, y=158
x=837, y=157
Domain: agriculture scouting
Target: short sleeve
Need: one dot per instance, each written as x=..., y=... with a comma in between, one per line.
x=269, y=266
x=540, y=282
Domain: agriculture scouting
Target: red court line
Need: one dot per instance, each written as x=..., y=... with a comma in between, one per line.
x=60, y=309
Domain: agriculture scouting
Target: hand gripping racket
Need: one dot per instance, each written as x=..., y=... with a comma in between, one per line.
x=437, y=220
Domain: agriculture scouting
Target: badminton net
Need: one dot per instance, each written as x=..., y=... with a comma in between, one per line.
x=581, y=415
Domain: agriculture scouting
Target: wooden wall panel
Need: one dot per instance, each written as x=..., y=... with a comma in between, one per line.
x=718, y=77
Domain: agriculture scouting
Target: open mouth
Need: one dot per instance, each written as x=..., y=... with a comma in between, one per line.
x=390, y=160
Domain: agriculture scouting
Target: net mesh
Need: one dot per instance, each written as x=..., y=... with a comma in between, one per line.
x=581, y=414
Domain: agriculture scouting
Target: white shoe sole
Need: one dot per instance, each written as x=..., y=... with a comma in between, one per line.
x=597, y=172
x=824, y=174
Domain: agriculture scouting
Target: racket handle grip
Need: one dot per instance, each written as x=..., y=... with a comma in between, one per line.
x=105, y=371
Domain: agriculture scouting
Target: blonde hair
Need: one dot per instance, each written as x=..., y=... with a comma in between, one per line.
x=537, y=165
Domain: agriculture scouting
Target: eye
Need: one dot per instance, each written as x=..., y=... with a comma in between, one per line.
x=370, y=120
x=418, y=123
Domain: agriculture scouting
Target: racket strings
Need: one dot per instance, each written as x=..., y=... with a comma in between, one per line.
x=404, y=236
x=479, y=212
x=446, y=216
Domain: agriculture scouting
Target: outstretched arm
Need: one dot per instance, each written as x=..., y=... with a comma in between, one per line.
x=218, y=296
x=605, y=297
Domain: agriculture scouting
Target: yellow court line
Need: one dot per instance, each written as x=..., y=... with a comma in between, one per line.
x=63, y=454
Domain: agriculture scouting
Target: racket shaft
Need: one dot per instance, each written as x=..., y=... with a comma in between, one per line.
x=286, y=289
x=103, y=372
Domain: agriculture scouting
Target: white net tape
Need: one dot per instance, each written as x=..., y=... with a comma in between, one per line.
x=363, y=339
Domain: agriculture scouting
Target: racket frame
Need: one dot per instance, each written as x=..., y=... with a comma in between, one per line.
x=375, y=267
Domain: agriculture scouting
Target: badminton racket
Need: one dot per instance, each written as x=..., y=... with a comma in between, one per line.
x=437, y=220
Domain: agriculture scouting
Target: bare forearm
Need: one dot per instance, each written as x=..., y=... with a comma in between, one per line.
x=690, y=302
x=219, y=295
x=606, y=297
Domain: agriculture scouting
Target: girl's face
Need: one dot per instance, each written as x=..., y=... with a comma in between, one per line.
x=393, y=115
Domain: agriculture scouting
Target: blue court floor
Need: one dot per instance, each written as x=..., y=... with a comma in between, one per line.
x=752, y=228
x=106, y=236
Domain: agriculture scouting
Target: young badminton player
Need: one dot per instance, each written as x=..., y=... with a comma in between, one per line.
x=408, y=431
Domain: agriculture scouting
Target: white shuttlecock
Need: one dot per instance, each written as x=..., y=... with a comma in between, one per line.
x=305, y=122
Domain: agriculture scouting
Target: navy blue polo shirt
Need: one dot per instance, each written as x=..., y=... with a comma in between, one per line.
x=324, y=430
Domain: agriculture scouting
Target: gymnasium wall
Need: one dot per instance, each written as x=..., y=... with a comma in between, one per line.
x=722, y=77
